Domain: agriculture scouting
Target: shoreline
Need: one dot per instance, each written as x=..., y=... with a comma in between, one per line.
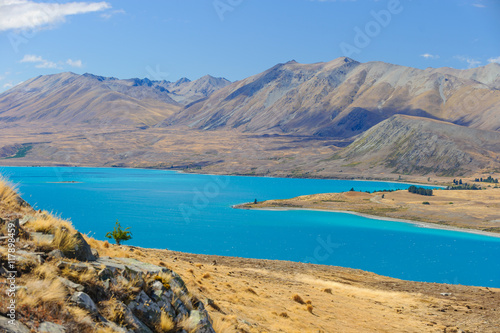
x=419, y=224
x=183, y=171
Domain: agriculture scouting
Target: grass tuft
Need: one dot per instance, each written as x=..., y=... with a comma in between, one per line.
x=298, y=299
x=65, y=241
x=166, y=323
x=8, y=195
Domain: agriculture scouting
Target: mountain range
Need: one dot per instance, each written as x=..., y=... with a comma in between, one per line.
x=343, y=115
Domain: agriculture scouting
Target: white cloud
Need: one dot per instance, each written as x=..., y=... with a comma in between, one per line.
x=39, y=61
x=430, y=56
x=471, y=62
x=478, y=5
x=8, y=85
x=497, y=60
x=74, y=63
x=26, y=14
x=112, y=13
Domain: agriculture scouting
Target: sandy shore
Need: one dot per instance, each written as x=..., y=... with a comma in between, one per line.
x=476, y=212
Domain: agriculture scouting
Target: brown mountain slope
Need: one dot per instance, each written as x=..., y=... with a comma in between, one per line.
x=343, y=98
x=69, y=99
x=408, y=144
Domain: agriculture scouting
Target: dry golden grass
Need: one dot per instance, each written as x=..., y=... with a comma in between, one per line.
x=298, y=299
x=42, y=292
x=106, y=329
x=188, y=325
x=48, y=224
x=46, y=272
x=8, y=195
x=166, y=323
x=224, y=325
x=65, y=241
x=86, y=277
x=112, y=310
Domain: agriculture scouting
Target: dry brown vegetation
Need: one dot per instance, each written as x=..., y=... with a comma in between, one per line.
x=247, y=295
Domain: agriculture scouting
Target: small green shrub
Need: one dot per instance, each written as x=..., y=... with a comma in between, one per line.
x=425, y=203
x=119, y=234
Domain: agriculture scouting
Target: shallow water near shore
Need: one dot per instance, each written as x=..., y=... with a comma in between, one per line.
x=192, y=213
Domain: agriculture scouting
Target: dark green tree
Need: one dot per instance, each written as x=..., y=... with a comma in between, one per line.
x=119, y=234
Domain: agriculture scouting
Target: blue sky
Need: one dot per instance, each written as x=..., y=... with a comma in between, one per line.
x=169, y=39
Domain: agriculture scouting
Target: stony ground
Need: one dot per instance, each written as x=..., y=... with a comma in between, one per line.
x=257, y=296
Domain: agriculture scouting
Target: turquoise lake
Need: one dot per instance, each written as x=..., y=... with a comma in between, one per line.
x=192, y=213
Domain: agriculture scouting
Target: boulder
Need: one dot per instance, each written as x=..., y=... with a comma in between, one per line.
x=84, y=301
x=145, y=309
x=82, y=251
x=7, y=327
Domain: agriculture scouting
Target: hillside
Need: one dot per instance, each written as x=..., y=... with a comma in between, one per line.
x=133, y=289
x=418, y=145
x=343, y=98
x=68, y=99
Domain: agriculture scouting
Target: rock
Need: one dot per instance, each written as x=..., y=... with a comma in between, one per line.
x=145, y=309
x=95, y=253
x=74, y=266
x=180, y=309
x=7, y=327
x=133, y=275
x=132, y=321
x=82, y=250
x=48, y=327
x=70, y=284
x=163, y=297
x=200, y=322
x=58, y=254
x=105, y=274
x=84, y=301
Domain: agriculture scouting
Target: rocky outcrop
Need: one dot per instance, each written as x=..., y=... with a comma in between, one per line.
x=158, y=290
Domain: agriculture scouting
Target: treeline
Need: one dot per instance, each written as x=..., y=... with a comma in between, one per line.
x=464, y=186
x=488, y=180
x=420, y=190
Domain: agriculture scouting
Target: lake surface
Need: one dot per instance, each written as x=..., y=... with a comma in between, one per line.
x=192, y=213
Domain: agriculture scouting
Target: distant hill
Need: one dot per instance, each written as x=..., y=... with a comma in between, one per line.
x=69, y=99
x=344, y=98
x=415, y=145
